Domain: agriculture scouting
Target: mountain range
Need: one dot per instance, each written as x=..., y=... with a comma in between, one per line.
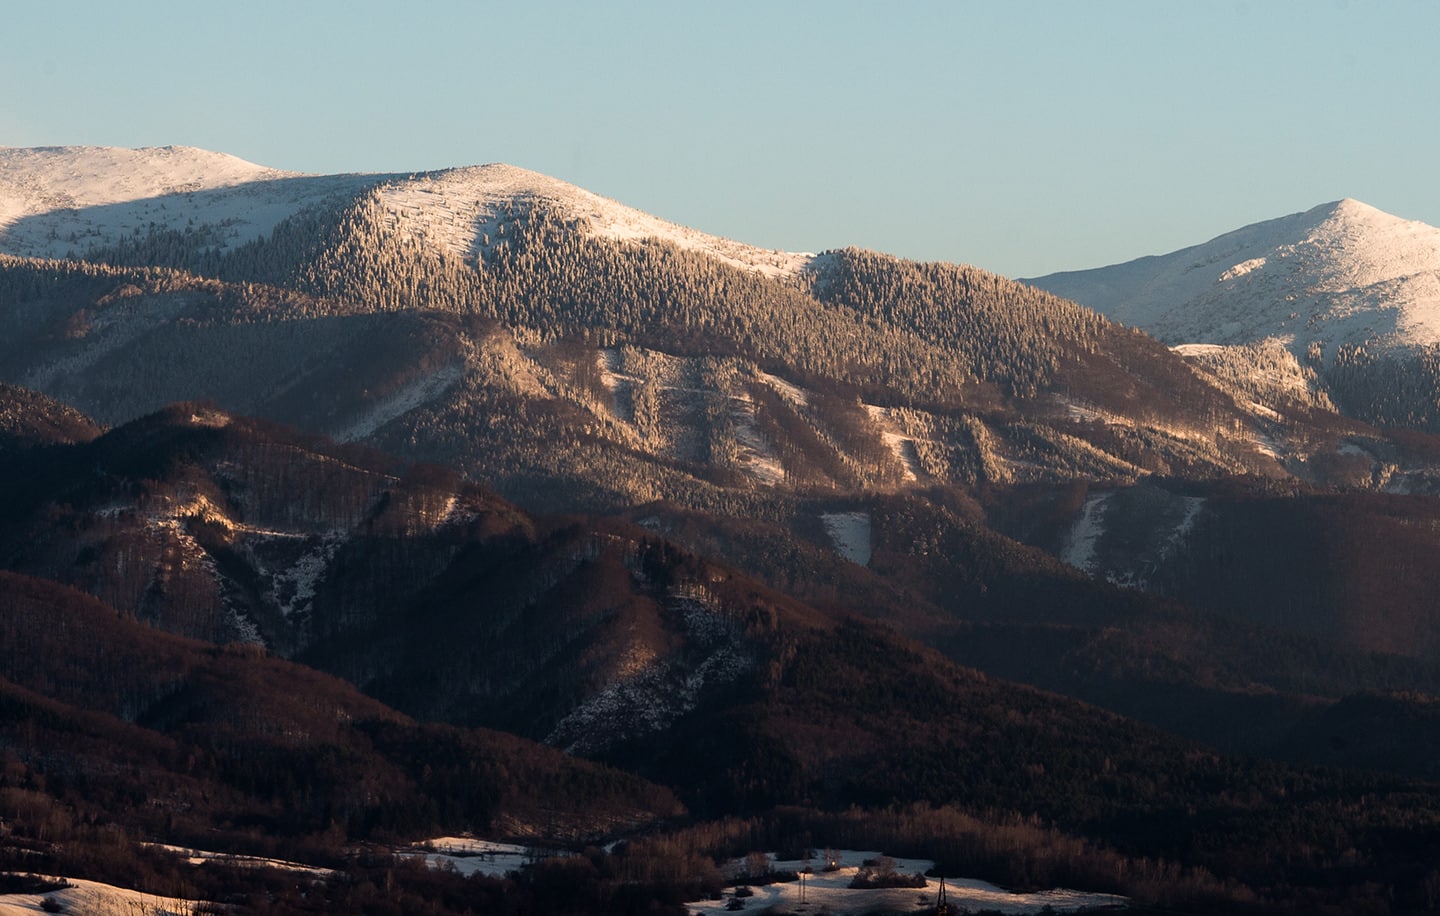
x=492, y=463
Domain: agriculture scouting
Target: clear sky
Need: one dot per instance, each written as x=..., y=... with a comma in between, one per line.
x=1022, y=137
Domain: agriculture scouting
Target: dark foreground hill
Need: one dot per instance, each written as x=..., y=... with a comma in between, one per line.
x=592, y=635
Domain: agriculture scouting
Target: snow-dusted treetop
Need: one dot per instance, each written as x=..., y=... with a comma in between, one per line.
x=59, y=201
x=1343, y=272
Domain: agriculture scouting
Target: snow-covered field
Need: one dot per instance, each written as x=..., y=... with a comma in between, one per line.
x=829, y=891
x=823, y=890
x=91, y=898
x=470, y=856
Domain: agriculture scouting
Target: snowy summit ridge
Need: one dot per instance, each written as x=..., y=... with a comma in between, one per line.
x=1340, y=273
x=58, y=202
x=456, y=207
x=65, y=201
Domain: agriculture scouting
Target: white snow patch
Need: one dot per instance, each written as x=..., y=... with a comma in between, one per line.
x=202, y=856
x=1196, y=349
x=1266, y=445
x=1241, y=269
x=407, y=397
x=111, y=329
x=643, y=702
x=1193, y=505
x=648, y=700
x=610, y=374
x=470, y=856
x=757, y=456
x=245, y=629
x=93, y=897
x=1080, y=546
x=1084, y=414
x=850, y=532
x=293, y=589
x=792, y=393
x=1089, y=413
x=902, y=446
x=1268, y=413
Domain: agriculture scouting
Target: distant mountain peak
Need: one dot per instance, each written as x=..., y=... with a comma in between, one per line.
x=1343, y=272
x=63, y=201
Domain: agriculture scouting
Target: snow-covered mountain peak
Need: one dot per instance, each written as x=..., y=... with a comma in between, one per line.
x=66, y=200
x=1340, y=273
x=457, y=208
x=90, y=175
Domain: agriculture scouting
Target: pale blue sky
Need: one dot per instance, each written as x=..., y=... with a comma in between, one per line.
x=1022, y=137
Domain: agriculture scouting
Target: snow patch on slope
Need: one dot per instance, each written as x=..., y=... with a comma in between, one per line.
x=407, y=397
x=850, y=533
x=110, y=329
x=1241, y=269
x=790, y=392
x=292, y=587
x=202, y=856
x=757, y=456
x=902, y=446
x=648, y=698
x=1080, y=546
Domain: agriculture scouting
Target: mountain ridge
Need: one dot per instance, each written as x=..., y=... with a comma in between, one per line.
x=46, y=193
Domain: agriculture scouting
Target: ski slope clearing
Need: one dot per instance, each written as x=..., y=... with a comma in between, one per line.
x=850, y=533
x=1080, y=545
x=1340, y=273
